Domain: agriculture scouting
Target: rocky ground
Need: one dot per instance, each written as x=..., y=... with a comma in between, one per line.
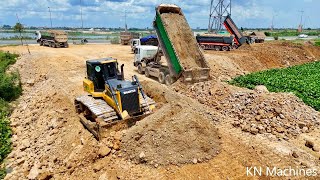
x=208, y=130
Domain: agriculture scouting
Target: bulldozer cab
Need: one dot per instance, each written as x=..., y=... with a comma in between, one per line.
x=101, y=70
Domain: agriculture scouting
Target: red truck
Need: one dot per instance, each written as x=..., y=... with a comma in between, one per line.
x=223, y=43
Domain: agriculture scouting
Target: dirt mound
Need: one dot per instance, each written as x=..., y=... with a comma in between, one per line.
x=182, y=38
x=281, y=114
x=180, y=132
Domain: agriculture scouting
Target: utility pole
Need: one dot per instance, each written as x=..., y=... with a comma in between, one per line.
x=125, y=20
x=50, y=17
x=272, y=22
x=81, y=14
x=300, y=27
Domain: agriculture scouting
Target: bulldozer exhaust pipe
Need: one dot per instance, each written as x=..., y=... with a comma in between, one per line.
x=122, y=72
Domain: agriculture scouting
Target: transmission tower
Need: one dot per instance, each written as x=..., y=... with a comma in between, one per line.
x=219, y=9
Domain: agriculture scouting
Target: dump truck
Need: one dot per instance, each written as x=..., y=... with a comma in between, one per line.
x=110, y=98
x=232, y=28
x=183, y=55
x=126, y=37
x=218, y=42
x=52, y=38
x=147, y=59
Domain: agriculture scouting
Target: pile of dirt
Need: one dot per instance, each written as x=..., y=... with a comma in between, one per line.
x=281, y=114
x=183, y=40
x=180, y=132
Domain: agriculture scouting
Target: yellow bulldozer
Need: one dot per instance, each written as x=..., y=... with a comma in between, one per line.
x=110, y=97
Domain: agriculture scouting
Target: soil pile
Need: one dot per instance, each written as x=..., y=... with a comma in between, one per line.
x=281, y=114
x=180, y=132
x=183, y=40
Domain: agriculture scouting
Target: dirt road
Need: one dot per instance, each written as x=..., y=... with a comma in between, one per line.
x=50, y=142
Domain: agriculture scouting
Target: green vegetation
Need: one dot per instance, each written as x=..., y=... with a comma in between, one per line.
x=282, y=33
x=115, y=40
x=16, y=38
x=317, y=43
x=10, y=89
x=302, y=80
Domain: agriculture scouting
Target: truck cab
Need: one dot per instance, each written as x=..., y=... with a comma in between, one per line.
x=134, y=43
x=148, y=61
x=142, y=52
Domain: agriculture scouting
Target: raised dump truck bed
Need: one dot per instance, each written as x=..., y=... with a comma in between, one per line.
x=233, y=29
x=183, y=55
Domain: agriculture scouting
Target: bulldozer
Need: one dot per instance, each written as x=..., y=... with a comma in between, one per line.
x=110, y=98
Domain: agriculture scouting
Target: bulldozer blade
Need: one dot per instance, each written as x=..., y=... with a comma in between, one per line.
x=93, y=127
x=196, y=75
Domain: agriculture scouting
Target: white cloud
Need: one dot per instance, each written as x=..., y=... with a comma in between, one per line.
x=141, y=12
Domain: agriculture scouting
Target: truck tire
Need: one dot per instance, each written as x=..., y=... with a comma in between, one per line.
x=168, y=80
x=66, y=45
x=146, y=72
x=217, y=48
x=235, y=46
x=140, y=71
x=161, y=78
x=225, y=48
x=41, y=43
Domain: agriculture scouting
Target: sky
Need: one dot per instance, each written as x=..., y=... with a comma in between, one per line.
x=140, y=13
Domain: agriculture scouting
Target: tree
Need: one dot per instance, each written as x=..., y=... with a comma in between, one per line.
x=19, y=28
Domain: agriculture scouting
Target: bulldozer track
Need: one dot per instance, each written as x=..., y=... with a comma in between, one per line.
x=98, y=107
x=96, y=114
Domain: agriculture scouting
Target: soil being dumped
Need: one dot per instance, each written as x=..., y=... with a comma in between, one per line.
x=183, y=40
x=180, y=132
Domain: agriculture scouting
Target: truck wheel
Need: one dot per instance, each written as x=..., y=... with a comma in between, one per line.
x=146, y=72
x=41, y=43
x=140, y=71
x=161, y=77
x=235, y=46
x=66, y=45
x=168, y=80
x=217, y=48
x=225, y=48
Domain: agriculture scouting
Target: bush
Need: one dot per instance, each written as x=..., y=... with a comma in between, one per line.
x=10, y=86
x=10, y=89
x=317, y=43
x=276, y=38
x=115, y=40
x=267, y=33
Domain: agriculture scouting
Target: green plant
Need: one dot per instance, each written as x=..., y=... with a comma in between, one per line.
x=317, y=43
x=276, y=38
x=302, y=80
x=267, y=33
x=10, y=89
x=115, y=40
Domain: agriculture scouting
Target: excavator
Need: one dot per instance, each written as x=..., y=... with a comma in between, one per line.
x=110, y=97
